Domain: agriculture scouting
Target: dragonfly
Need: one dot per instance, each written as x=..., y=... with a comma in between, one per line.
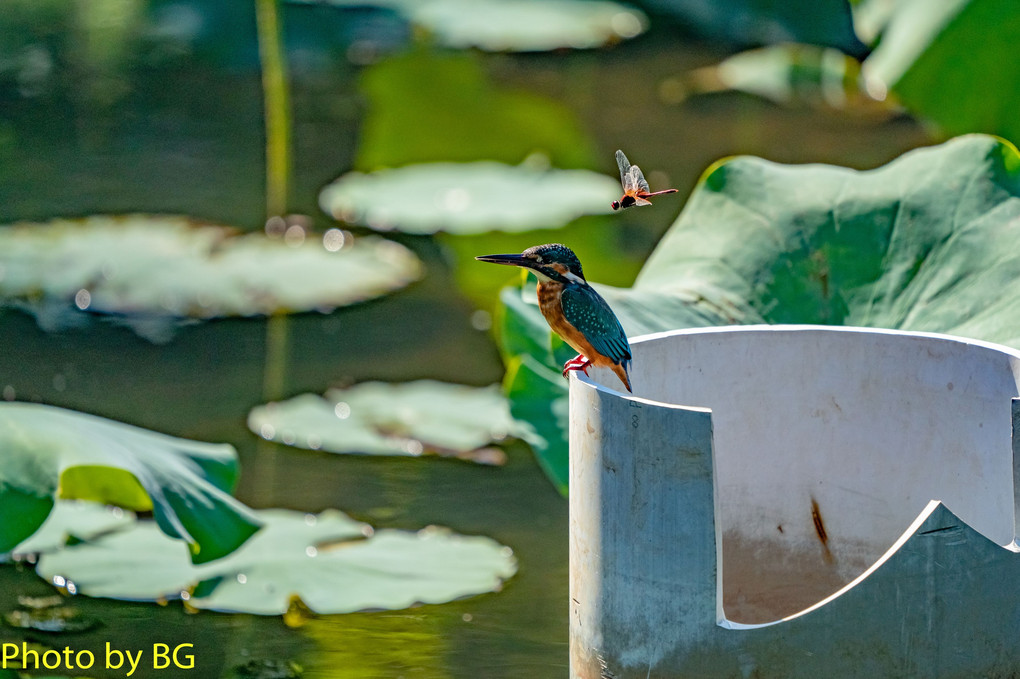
x=635, y=188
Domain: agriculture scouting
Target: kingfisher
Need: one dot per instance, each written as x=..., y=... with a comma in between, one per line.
x=573, y=309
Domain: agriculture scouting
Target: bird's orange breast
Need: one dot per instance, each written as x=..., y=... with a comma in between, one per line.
x=549, y=304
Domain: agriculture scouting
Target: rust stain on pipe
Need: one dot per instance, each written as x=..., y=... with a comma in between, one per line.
x=823, y=537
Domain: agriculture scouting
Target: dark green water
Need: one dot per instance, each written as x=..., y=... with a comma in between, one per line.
x=158, y=131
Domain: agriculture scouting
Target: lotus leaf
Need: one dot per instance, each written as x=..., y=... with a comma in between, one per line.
x=154, y=271
x=924, y=243
x=466, y=198
x=329, y=563
x=950, y=62
x=517, y=25
x=50, y=453
x=376, y=418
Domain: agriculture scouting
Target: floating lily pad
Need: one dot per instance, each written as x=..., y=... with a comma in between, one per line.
x=517, y=25
x=924, y=243
x=328, y=563
x=153, y=271
x=50, y=452
x=375, y=418
x=467, y=198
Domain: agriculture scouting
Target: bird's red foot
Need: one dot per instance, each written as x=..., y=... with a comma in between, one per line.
x=579, y=362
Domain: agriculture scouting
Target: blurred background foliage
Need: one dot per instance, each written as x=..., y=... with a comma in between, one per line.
x=158, y=107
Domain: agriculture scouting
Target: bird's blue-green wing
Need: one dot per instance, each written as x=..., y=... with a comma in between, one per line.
x=589, y=313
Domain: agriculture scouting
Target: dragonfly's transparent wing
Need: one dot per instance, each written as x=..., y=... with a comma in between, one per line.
x=625, y=177
x=638, y=179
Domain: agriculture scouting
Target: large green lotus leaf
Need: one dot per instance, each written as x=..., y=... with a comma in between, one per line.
x=376, y=418
x=48, y=453
x=329, y=562
x=952, y=62
x=151, y=269
x=427, y=106
x=466, y=198
x=923, y=243
x=927, y=242
x=516, y=25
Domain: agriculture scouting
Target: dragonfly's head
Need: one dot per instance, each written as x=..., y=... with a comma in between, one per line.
x=625, y=202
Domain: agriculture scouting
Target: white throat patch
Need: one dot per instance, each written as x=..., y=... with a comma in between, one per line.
x=574, y=278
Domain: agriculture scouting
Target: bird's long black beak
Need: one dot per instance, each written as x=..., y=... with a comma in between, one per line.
x=511, y=260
